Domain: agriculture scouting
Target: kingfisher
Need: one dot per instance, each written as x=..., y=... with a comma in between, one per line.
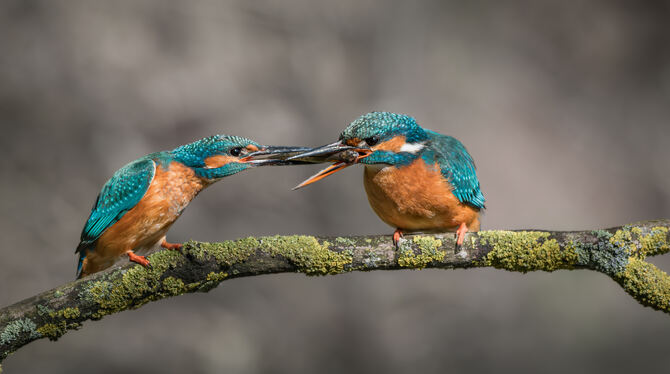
x=416, y=180
x=138, y=204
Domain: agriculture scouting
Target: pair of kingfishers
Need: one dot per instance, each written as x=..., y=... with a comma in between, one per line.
x=415, y=180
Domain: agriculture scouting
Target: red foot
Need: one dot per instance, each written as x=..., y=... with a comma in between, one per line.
x=171, y=246
x=138, y=259
x=460, y=233
x=397, y=234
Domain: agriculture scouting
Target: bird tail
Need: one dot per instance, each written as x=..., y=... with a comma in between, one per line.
x=82, y=249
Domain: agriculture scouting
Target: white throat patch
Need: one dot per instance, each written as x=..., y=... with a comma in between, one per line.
x=412, y=148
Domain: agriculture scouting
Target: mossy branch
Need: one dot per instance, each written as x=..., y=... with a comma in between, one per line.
x=618, y=252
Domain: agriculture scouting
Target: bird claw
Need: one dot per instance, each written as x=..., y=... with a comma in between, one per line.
x=171, y=246
x=138, y=259
x=460, y=235
x=397, y=235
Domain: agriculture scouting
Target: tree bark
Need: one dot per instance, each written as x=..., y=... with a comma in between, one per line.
x=199, y=267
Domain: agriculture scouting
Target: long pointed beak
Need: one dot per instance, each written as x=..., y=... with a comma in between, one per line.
x=275, y=155
x=332, y=169
x=333, y=151
x=322, y=152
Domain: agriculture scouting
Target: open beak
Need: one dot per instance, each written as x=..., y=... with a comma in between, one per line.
x=275, y=155
x=343, y=155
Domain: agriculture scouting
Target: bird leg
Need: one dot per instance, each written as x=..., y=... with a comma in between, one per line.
x=138, y=259
x=460, y=234
x=171, y=246
x=397, y=234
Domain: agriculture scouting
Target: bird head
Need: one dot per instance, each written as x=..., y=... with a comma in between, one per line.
x=219, y=156
x=378, y=137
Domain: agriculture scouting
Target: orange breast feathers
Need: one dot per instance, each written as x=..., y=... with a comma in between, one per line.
x=416, y=197
x=144, y=225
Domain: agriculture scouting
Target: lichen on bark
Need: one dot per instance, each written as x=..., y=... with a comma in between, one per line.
x=199, y=267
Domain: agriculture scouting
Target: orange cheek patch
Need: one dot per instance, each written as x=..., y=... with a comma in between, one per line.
x=252, y=148
x=394, y=144
x=217, y=161
x=353, y=142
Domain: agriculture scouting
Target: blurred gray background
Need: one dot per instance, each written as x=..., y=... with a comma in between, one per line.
x=565, y=106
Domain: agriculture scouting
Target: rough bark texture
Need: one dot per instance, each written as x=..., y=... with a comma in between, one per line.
x=618, y=252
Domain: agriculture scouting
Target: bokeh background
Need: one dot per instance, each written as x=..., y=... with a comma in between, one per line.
x=565, y=106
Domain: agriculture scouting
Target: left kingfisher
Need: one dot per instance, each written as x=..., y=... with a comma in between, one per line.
x=139, y=203
x=415, y=179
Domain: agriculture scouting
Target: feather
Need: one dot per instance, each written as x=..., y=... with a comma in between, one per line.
x=120, y=194
x=456, y=166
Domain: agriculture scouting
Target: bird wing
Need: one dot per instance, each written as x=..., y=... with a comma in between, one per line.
x=120, y=194
x=456, y=166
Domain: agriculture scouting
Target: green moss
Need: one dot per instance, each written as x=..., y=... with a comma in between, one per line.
x=642, y=280
x=15, y=329
x=162, y=261
x=345, y=242
x=526, y=251
x=646, y=283
x=172, y=286
x=53, y=331
x=370, y=261
x=213, y=280
x=60, y=325
x=305, y=252
x=428, y=252
x=219, y=277
x=583, y=256
x=68, y=313
x=654, y=243
x=65, y=313
x=225, y=253
x=43, y=310
x=621, y=239
x=610, y=253
x=136, y=286
x=58, y=293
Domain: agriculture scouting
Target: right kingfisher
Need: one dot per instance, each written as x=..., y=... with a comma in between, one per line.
x=415, y=179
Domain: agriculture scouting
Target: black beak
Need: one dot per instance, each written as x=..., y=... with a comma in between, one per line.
x=342, y=155
x=275, y=155
x=330, y=152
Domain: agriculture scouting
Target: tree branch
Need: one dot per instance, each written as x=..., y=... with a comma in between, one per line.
x=618, y=252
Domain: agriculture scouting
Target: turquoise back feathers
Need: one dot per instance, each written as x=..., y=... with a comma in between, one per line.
x=456, y=165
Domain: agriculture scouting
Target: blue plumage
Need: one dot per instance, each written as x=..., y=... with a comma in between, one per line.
x=126, y=188
x=456, y=165
x=415, y=179
x=384, y=125
x=455, y=162
x=120, y=194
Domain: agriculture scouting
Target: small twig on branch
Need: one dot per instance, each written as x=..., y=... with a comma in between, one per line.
x=618, y=252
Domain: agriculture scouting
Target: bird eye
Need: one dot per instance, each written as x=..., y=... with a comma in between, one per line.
x=236, y=151
x=372, y=140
